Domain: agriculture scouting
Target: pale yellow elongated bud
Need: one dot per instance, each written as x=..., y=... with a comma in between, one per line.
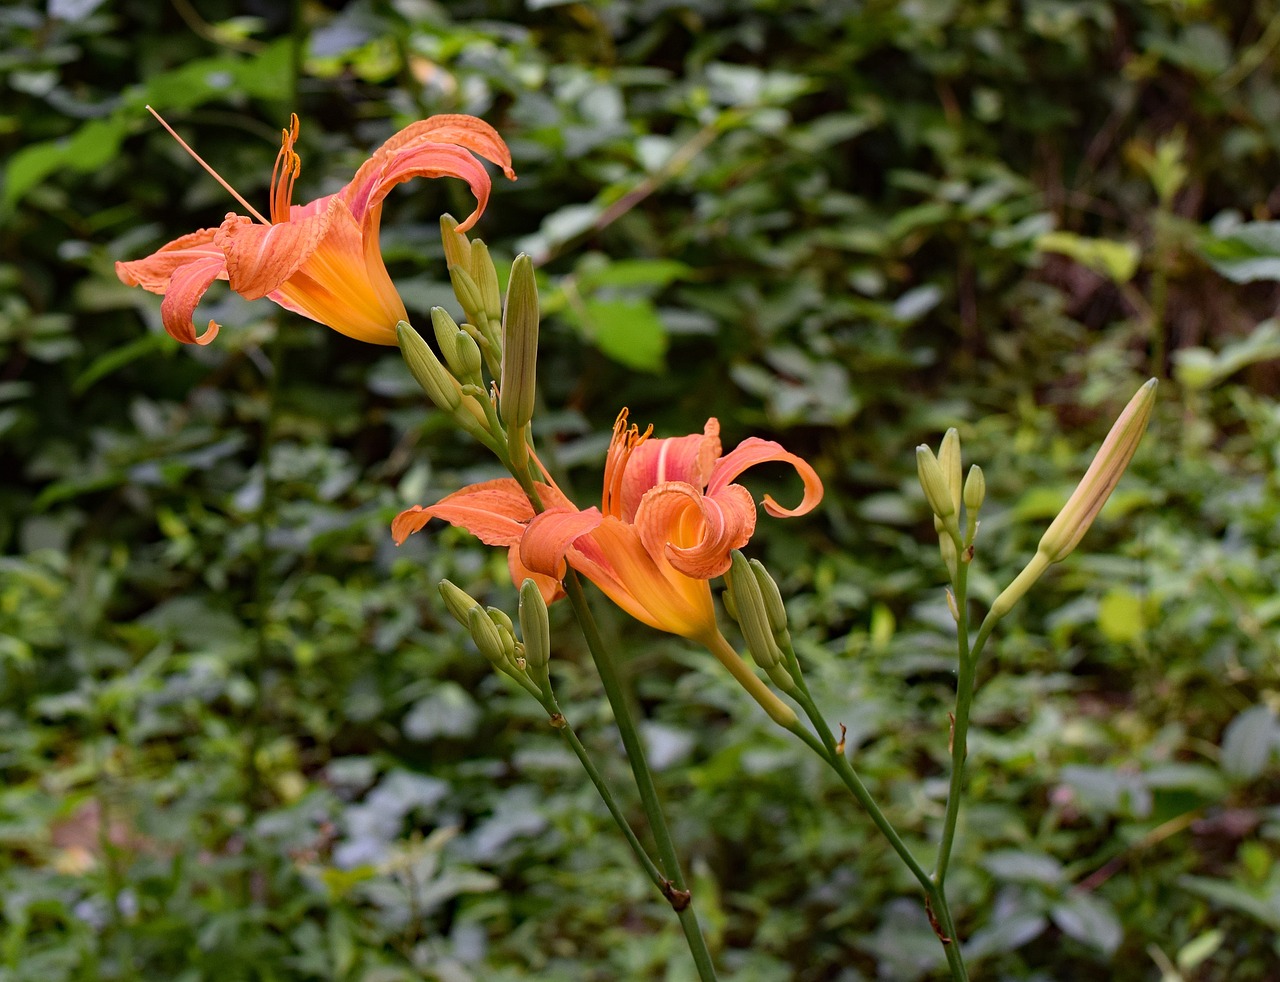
x=975, y=489
x=436, y=382
x=949, y=461
x=535, y=628
x=458, y=602
x=934, y=483
x=486, y=276
x=506, y=631
x=467, y=291
x=487, y=637
x=468, y=357
x=519, y=346
x=457, y=250
x=774, y=607
x=1110, y=462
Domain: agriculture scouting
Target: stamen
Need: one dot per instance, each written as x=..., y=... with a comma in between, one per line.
x=216, y=176
x=624, y=442
x=285, y=173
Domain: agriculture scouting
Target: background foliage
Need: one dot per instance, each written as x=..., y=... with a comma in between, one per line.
x=237, y=741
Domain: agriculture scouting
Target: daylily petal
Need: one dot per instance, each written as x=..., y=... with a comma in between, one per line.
x=495, y=512
x=695, y=532
x=153, y=272
x=317, y=266
x=682, y=458
x=549, y=586
x=465, y=131
x=752, y=451
x=186, y=287
x=552, y=534
x=381, y=172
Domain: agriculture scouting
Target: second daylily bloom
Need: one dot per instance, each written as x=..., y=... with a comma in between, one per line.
x=669, y=519
x=321, y=259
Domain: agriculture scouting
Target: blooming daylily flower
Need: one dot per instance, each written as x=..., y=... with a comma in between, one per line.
x=321, y=259
x=668, y=521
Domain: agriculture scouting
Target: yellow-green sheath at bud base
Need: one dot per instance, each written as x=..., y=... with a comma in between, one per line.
x=519, y=346
x=457, y=250
x=934, y=483
x=535, y=627
x=458, y=602
x=1066, y=531
x=441, y=387
x=949, y=461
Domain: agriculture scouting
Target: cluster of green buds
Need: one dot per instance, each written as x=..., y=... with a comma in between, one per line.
x=502, y=339
x=946, y=493
x=493, y=632
x=753, y=599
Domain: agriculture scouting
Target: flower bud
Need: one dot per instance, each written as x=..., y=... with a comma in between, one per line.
x=949, y=462
x=487, y=637
x=519, y=346
x=506, y=630
x=458, y=602
x=774, y=607
x=467, y=292
x=975, y=489
x=535, y=628
x=441, y=387
x=468, y=355
x=753, y=619
x=446, y=332
x=486, y=277
x=1066, y=531
x=936, y=490
x=457, y=251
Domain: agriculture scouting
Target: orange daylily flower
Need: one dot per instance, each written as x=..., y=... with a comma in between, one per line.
x=669, y=518
x=321, y=259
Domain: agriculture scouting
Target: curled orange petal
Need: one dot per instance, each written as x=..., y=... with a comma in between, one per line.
x=696, y=532
x=753, y=451
x=186, y=287
x=682, y=458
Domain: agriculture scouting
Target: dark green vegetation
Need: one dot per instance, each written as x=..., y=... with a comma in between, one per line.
x=239, y=739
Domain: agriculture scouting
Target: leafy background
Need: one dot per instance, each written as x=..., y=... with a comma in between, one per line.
x=239, y=741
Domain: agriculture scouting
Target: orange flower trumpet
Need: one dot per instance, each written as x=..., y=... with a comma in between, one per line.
x=321, y=259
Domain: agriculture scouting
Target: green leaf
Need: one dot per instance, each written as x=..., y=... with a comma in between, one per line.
x=1247, y=253
x=1249, y=742
x=1121, y=616
x=628, y=331
x=87, y=149
x=1090, y=920
x=1118, y=261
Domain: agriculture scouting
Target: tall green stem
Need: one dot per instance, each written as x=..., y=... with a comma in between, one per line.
x=619, y=700
x=959, y=726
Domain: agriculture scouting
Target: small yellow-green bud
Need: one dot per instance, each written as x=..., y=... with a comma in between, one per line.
x=467, y=292
x=774, y=607
x=468, y=355
x=486, y=277
x=441, y=387
x=949, y=461
x=519, y=346
x=934, y=483
x=975, y=489
x=730, y=605
x=457, y=251
x=535, y=627
x=458, y=602
x=506, y=631
x=1110, y=462
x=487, y=637
x=446, y=332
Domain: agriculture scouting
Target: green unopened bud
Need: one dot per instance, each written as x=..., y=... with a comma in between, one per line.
x=730, y=605
x=446, y=332
x=949, y=462
x=1110, y=462
x=487, y=637
x=519, y=346
x=467, y=292
x=458, y=602
x=486, y=277
x=468, y=354
x=975, y=489
x=441, y=387
x=457, y=250
x=934, y=483
x=753, y=619
x=774, y=607
x=535, y=628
